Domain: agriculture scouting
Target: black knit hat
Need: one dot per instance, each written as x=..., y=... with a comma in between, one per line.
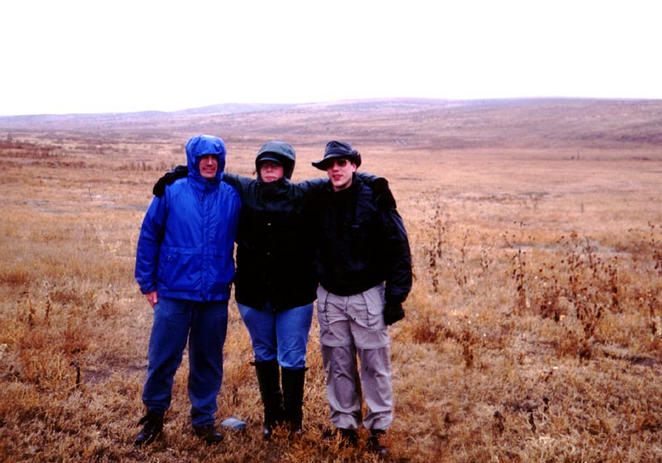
x=338, y=149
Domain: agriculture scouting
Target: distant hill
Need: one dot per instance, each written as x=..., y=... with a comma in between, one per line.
x=232, y=108
x=91, y=119
x=402, y=123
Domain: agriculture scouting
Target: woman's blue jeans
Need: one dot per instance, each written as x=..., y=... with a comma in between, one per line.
x=204, y=325
x=282, y=335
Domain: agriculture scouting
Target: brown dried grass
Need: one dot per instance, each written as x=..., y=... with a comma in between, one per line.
x=533, y=332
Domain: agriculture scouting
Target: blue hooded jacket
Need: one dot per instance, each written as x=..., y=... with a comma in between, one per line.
x=187, y=236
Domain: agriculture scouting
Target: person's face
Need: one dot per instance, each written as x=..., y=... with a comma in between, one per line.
x=208, y=166
x=340, y=173
x=271, y=171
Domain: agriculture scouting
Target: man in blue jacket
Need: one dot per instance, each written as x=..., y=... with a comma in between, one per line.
x=184, y=266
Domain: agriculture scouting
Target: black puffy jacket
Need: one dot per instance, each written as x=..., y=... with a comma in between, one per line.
x=361, y=243
x=275, y=243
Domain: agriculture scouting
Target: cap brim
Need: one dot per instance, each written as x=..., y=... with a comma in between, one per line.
x=322, y=164
x=271, y=158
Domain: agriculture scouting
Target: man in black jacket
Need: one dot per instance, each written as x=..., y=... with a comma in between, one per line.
x=364, y=266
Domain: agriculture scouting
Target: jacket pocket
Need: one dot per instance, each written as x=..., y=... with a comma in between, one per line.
x=179, y=271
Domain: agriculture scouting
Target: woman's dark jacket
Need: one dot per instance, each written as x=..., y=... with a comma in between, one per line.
x=361, y=243
x=275, y=243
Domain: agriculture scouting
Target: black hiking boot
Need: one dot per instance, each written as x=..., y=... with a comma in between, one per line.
x=374, y=445
x=208, y=434
x=348, y=437
x=152, y=427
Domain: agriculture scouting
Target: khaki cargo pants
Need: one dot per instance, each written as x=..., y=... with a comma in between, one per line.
x=351, y=325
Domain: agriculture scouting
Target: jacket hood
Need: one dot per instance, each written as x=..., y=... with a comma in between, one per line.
x=201, y=145
x=278, y=151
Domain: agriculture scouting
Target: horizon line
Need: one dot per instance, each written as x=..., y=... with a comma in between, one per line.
x=326, y=102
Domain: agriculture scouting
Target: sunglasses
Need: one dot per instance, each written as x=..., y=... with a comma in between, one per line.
x=341, y=162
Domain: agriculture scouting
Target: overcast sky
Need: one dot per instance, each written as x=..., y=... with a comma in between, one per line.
x=63, y=56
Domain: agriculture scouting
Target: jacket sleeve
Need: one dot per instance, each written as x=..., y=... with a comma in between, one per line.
x=149, y=244
x=312, y=188
x=367, y=178
x=238, y=182
x=396, y=242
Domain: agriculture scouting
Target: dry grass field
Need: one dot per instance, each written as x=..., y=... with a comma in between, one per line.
x=533, y=331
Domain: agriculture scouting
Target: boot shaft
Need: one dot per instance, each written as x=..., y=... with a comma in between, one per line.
x=268, y=378
x=293, y=382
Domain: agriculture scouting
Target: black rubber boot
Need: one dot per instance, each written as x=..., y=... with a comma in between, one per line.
x=293, y=381
x=268, y=379
x=152, y=427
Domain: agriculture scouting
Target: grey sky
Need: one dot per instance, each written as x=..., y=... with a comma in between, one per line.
x=130, y=55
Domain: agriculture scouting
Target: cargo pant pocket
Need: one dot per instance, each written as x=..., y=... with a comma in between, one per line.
x=374, y=304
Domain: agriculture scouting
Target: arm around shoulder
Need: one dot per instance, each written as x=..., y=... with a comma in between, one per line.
x=381, y=191
x=239, y=182
x=169, y=178
x=312, y=186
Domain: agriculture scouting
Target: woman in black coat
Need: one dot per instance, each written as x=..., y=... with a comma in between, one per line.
x=275, y=283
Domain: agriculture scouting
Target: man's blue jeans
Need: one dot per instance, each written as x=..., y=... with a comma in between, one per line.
x=204, y=325
x=282, y=335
